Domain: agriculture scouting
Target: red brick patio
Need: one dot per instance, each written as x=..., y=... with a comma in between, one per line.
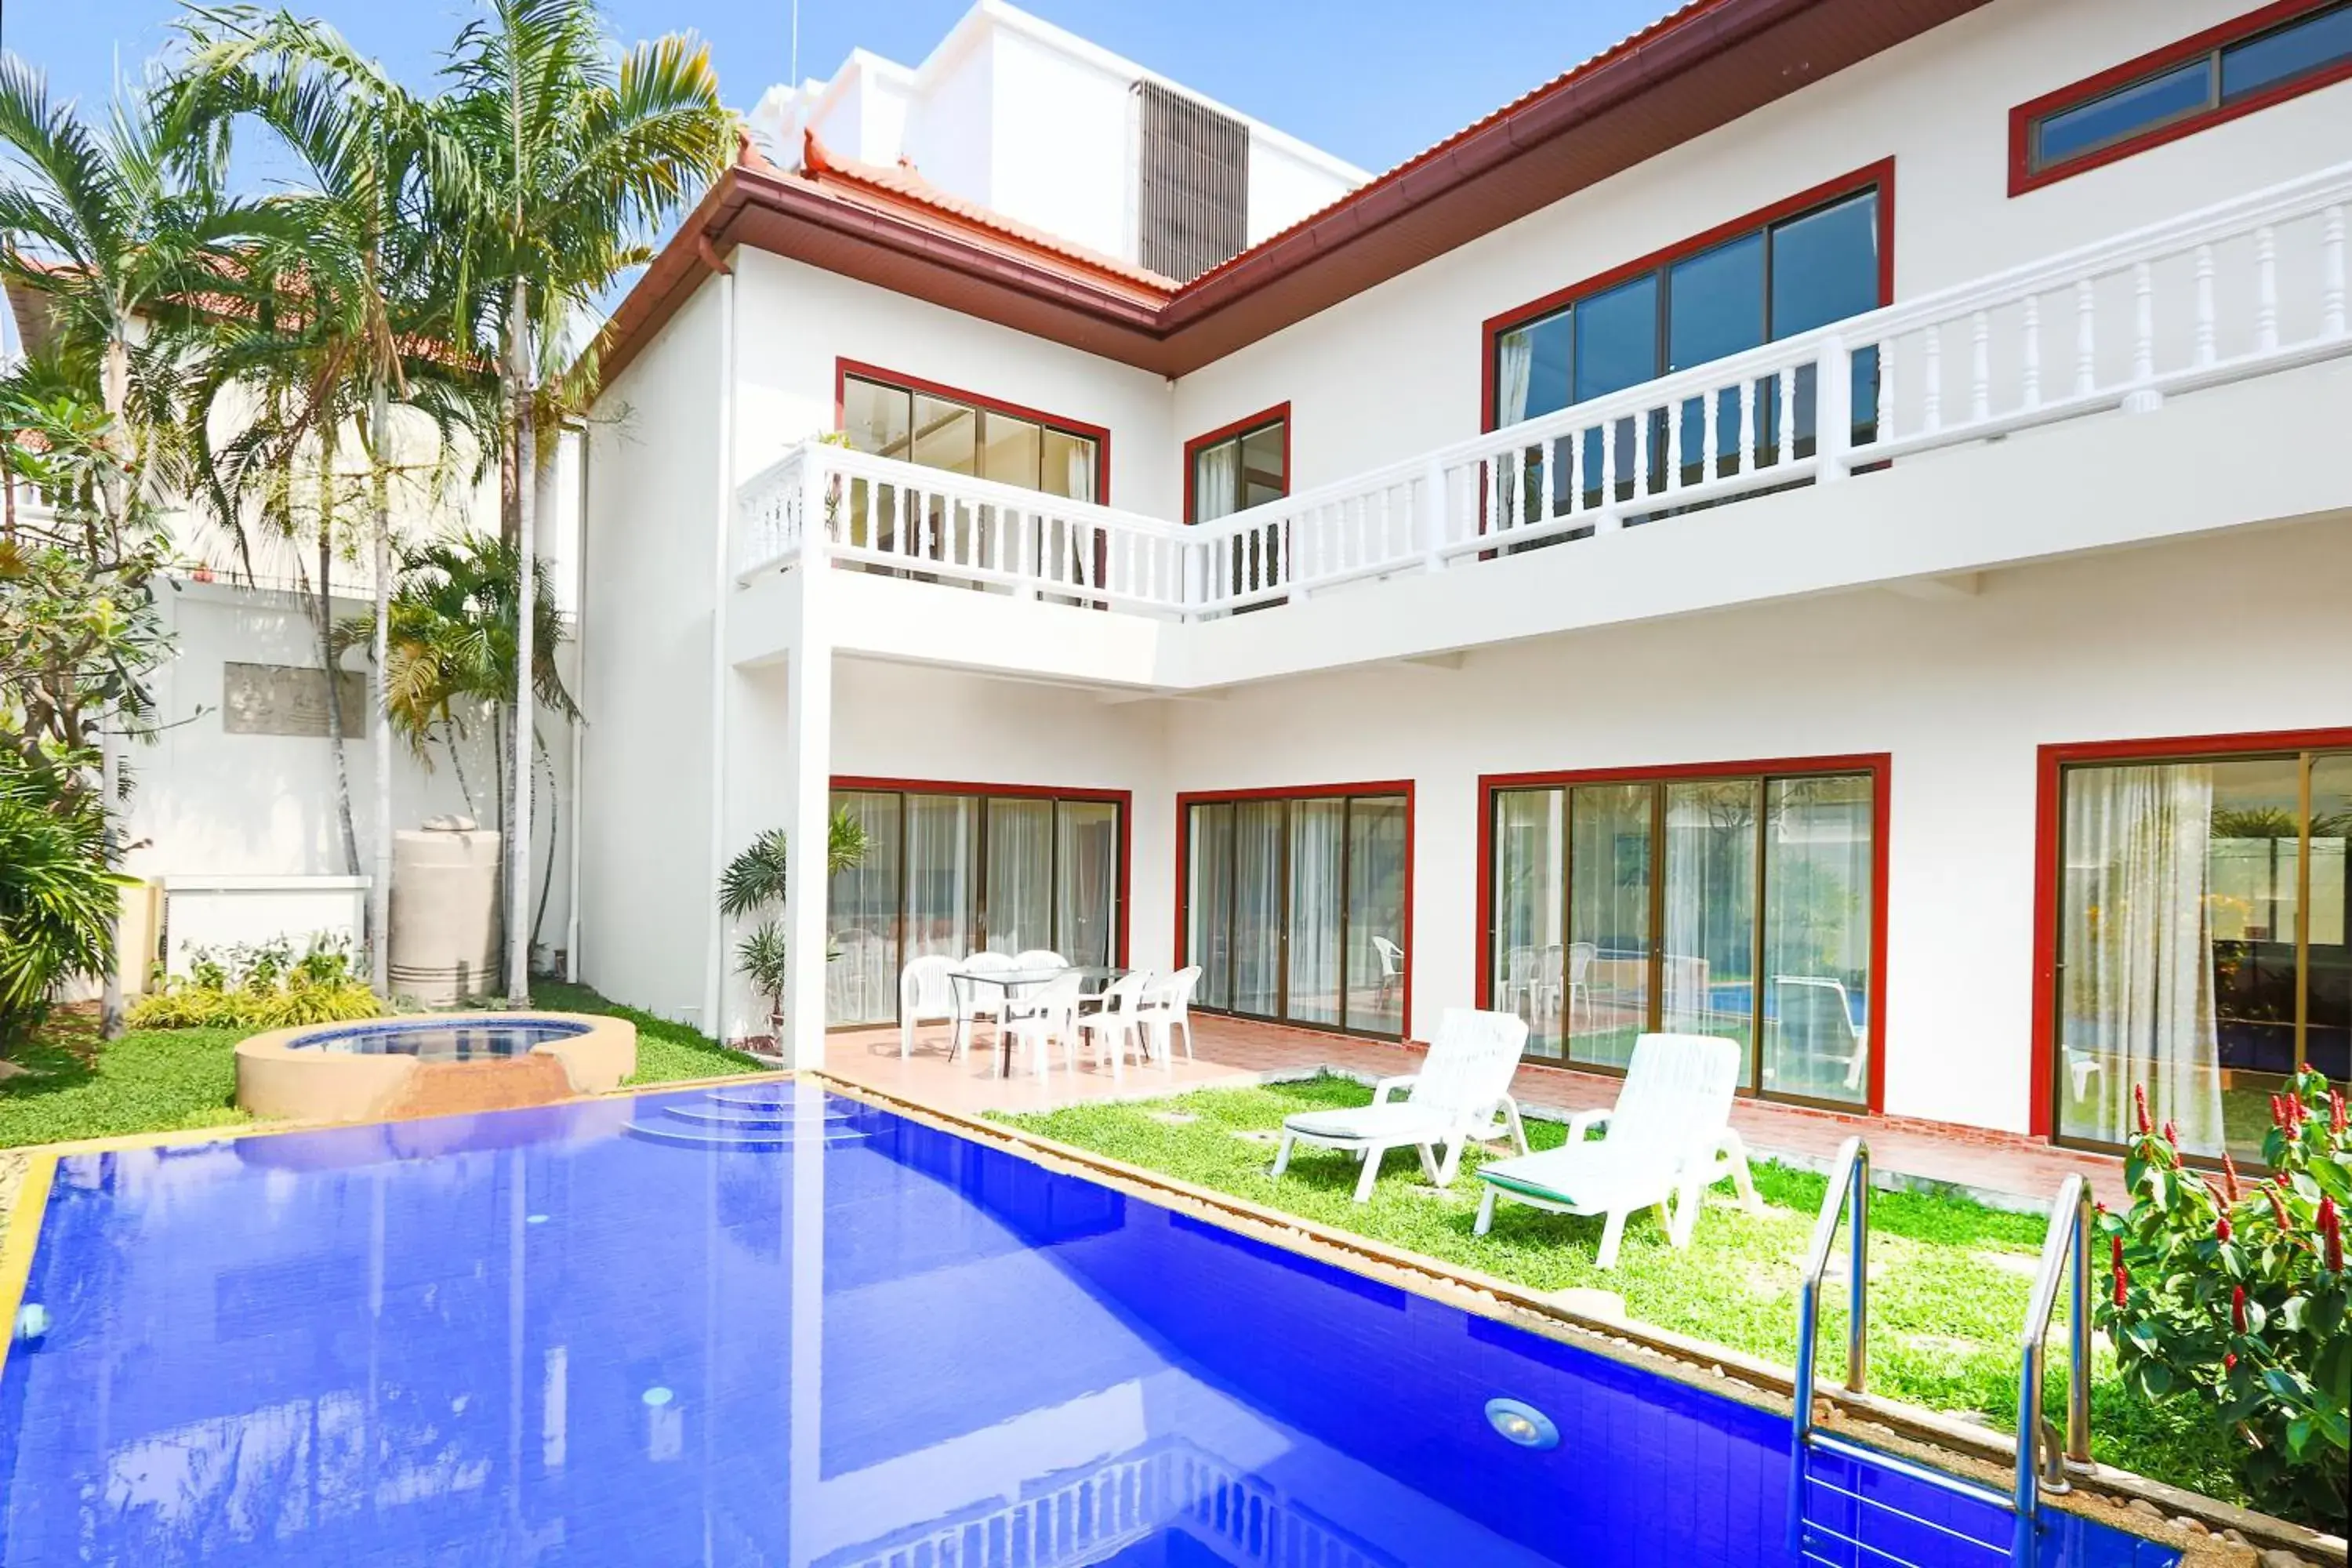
x=1232, y=1052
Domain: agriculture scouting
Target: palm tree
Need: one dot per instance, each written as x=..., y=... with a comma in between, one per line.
x=122, y=233
x=377, y=167
x=578, y=152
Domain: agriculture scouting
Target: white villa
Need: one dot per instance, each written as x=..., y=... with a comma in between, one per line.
x=1824, y=523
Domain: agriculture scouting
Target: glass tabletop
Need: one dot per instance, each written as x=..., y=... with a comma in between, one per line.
x=1011, y=979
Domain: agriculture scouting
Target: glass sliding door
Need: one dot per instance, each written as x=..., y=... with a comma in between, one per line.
x=1818, y=866
x=1602, y=982
x=1375, y=925
x=1530, y=900
x=953, y=873
x=861, y=920
x=1257, y=930
x=2201, y=942
x=1693, y=906
x=1296, y=909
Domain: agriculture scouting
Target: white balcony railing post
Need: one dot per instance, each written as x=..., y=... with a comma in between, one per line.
x=1834, y=410
x=817, y=527
x=1435, y=525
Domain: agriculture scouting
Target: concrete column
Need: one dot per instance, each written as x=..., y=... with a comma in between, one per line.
x=808, y=795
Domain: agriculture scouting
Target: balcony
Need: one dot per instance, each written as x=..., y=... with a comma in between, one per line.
x=1879, y=449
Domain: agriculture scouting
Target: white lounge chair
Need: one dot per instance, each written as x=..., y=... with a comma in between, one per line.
x=1462, y=1093
x=1669, y=1140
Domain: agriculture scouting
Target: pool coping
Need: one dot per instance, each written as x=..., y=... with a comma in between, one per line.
x=2104, y=1493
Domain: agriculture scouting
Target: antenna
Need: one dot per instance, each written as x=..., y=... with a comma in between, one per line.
x=795, y=77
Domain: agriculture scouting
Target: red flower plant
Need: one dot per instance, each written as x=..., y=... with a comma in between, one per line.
x=2278, y=1207
x=2229, y=1177
x=2123, y=1286
x=2230, y=1362
x=2139, y=1104
x=2331, y=1235
x=2171, y=1134
x=2338, y=1116
x=2221, y=1228
x=2238, y=1308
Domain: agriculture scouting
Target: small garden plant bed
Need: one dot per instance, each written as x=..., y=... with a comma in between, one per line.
x=1949, y=1279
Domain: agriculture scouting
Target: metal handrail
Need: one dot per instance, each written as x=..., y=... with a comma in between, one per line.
x=1849, y=1190
x=2042, y=1463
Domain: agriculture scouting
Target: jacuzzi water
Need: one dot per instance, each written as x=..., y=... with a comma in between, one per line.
x=746, y=1327
x=436, y=1039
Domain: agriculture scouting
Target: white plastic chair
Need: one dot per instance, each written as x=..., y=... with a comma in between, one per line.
x=927, y=995
x=1040, y=958
x=1392, y=964
x=1581, y=955
x=1458, y=1097
x=1816, y=1010
x=1050, y=1015
x=1165, y=1008
x=1117, y=1023
x=989, y=1003
x=1667, y=1141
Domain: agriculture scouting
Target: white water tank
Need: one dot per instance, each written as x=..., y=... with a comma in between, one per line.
x=445, y=913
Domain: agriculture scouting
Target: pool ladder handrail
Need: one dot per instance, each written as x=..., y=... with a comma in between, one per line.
x=1849, y=1192
x=2043, y=1460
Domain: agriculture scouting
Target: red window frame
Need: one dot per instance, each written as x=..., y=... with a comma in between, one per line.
x=2048, y=815
x=1258, y=420
x=1186, y=800
x=1878, y=177
x=2024, y=177
x=1123, y=799
x=1879, y=766
x=844, y=368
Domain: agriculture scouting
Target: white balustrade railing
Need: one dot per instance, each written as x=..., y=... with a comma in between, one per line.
x=2247, y=287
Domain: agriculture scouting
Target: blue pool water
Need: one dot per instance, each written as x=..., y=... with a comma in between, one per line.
x=436, y=1039
x=738, y=1327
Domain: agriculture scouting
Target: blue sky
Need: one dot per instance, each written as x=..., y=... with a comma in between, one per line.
x=1372, y=81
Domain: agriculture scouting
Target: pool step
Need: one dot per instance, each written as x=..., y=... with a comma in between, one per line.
x=750, y=1121
x=742, y=1143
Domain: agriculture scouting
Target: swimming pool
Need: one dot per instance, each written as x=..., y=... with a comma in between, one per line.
x=750, y=1326
x=440, y=1040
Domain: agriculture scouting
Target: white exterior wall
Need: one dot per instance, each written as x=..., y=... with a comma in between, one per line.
x=1062, y=142
x=1960, y=692
x=796, y=320
x=653, y=489
x=1397, y=369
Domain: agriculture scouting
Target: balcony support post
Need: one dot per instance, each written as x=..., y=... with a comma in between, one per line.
x=1833, y=411
x=808, y=811
x=1434, y=520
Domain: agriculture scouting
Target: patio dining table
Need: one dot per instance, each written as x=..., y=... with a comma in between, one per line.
x=1010, y=986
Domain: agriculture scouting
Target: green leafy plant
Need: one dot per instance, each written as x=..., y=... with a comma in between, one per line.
x=754, y=883
x=260, y=986
x=58, y=895
x=2235, y=1291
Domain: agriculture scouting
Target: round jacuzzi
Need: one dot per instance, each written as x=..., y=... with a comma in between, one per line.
x=431, y=1065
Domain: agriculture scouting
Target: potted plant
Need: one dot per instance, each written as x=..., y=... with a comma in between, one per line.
x=753, y=885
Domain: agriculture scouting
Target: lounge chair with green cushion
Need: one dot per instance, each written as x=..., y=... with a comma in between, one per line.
x=1461, y=1093
x=1669, y=1140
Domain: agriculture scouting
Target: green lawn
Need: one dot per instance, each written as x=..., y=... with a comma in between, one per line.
x=167, y=1080
x=1949, y=1279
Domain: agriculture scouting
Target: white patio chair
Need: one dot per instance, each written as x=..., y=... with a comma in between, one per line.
x=1392, y=964
x=1117, y=1023
x=1518, y=980
x=983, y=1003
x=1040, y=958
x=1581, y=955
x=1165, y=1008
x=1461, y=1093
x=926, y=994
x=1050, y=1016
x=1667, y=1141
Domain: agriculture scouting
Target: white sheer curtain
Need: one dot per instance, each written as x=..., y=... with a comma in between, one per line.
x=1087, y=873
x=1216, y=481
x=1257, y=907
x=1515, y=359
x=940, y=856
x=1318, y=851
x=862, y=919
x=1019, y=875
x=2138, y=955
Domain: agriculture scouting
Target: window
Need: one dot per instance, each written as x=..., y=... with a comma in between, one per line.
x=1297, y=906
x=895, y=416
x=2263, y=58
x=1737, y=902
x=1192, y=183
x=2200, y=948
x=953, y=870
x=1819, y=257
x=1243, y=465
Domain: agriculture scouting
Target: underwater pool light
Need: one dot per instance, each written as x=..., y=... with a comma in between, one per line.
x=1520, y=1423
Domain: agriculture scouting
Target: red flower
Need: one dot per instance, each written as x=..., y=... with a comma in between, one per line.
x=2221, y=1228
x=2123, y=1284
x=2238, y=1308
x=2337, y=1114
x=2230, y=1362
x=2139, y=1104
x=2171, y=1134
x=2115, y=1252
x=2229, y=1177
x=2331, y=1235
x=2278, y=1207
x=2278, y=1110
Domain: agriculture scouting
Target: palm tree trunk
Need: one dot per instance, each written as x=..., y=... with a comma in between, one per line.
x=380, y=708
x=114, y=388
x=526, y=577
x=554, y=804
x=325, y=616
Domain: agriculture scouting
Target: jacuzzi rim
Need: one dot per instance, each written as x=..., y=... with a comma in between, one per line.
x=313, y=1036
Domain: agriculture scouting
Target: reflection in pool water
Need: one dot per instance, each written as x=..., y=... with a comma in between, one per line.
x=757, y=1326
x=439, y=1040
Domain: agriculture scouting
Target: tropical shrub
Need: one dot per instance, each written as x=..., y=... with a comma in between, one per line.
x=264, y=985
x=58, y=895
x=754, y=882
x=2234, y=1290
